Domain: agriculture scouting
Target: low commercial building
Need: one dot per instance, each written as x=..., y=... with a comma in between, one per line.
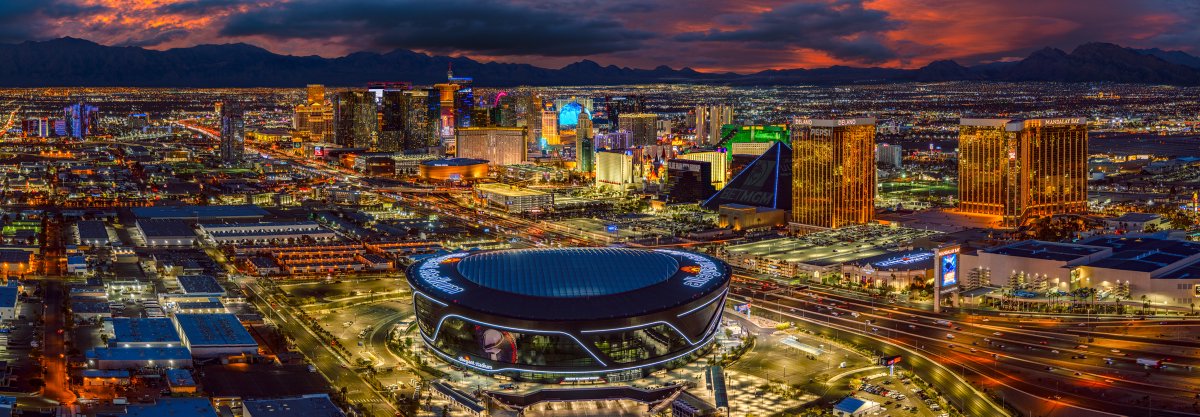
x=743, y=217
x=1120, y=267
x=105, y=377
x=138, y=357
x=201, y=287
x=9, y=301
x=90, y=310
x=513, y=199
x=313, y=405
x=144, y=333
x=266, y=232
x=214, y=335
x=246, y=212
x=92, y=232
x=173, y=407
x=77, y=265
x=212, y=305
x=893, y=270
x=166, y=232
x=819, y=255
x=180, y=381
x=229, y=385
x=15, y=262
x=855, y=407
x=1135, y=223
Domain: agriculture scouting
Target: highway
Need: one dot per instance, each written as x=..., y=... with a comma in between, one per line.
x=1040, y=357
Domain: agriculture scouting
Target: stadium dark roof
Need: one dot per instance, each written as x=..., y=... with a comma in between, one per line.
x=569, y=283
x=568, y=272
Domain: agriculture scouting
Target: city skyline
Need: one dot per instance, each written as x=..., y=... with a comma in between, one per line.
x=713, y=36
x=218, y=208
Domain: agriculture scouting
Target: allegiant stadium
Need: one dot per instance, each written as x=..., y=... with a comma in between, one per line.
x=569, y=314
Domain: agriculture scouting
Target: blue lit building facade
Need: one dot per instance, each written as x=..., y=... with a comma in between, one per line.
x=82, y=120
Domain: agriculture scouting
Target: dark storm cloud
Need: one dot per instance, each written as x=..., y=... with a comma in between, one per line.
x=633, y=8
x=22, y=20
x=199, y=7
x=156, y=39
x=712, y=35
x=843, y=29
x=486, y=27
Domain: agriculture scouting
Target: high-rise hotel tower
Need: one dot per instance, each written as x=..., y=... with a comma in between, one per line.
x=833, y=172
x=1022, y=169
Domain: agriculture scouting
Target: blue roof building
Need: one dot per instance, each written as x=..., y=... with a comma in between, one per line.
x=7, y=405
x=173, y=407
x=854, y=407
x=8, y=301
x=138, y=357
x=316, y=405
x=214, y=335
x=144, y=333
x=180, y=380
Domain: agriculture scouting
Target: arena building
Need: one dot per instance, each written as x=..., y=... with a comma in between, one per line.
x=569, y=315
x=453, y=169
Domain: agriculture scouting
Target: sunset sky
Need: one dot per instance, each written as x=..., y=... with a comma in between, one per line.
x=708, y=35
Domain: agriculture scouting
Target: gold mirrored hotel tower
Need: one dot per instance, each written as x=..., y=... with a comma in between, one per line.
x=833, y=172
x=1022, y=169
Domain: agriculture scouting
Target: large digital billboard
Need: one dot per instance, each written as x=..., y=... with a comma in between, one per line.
x=946, y=271
x=949, y=266
x=497, y=345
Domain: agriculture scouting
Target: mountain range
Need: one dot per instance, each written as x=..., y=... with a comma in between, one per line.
x=78, y=62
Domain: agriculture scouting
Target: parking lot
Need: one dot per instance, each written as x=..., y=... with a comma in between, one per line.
x=896, y=396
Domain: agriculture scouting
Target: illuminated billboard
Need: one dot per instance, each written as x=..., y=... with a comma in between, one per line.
x=949, y=269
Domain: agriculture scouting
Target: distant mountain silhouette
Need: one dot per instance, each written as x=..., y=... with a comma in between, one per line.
x=1174, y=57
x=78, y=62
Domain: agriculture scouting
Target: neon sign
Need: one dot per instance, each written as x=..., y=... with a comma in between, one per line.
x=708, y=269
x=467, y=360
x=903, y=260
x=432, y=274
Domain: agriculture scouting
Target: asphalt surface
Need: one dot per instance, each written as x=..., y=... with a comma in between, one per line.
x=1020, y=359
x=54, y=352
x=321, y=355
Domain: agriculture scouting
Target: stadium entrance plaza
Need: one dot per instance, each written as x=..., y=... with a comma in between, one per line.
x=769, y=363
x=363, y=322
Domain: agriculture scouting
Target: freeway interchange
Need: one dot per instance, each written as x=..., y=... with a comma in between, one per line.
x=1047, y=366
